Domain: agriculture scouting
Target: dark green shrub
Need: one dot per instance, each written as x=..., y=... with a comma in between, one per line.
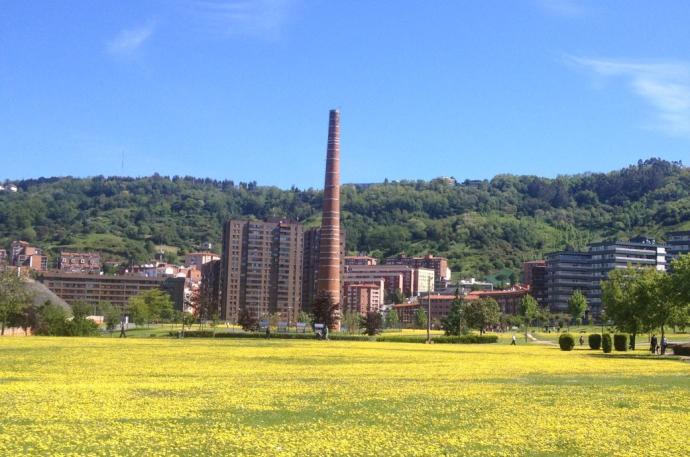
x=459, y=339
x=681, y=349
x=606, y=343
x=620, y=342
x=566, y=341
x=594, y=341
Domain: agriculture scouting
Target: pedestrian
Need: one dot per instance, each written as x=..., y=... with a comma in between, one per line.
x=268, y=332
x=664, y=344
x=653, y=344
x=582, y=340
x=514, y=341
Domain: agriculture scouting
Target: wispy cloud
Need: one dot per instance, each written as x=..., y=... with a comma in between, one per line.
x=264, y=18
x=128, y=41
x=664, y=85
x=570, y=8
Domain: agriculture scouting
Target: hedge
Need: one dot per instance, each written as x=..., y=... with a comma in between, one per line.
x=606, y=343
x=566, y=341
x=462, y=339
x=620, y=342
x=594, y=340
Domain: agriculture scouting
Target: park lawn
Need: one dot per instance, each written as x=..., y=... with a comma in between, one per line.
x=110, y=396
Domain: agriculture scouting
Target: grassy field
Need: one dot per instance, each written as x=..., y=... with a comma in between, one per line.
x=109, y=396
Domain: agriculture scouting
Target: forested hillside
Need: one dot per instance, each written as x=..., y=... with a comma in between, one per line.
x=484, y=227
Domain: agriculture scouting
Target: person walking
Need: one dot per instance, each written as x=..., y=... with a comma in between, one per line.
x=664, y=344
x=513, y=342
x=582, y=340
x=653, y=344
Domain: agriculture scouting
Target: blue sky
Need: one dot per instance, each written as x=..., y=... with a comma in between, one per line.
x=240, y=89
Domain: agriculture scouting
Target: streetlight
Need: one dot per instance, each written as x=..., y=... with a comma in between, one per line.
x=428, y=310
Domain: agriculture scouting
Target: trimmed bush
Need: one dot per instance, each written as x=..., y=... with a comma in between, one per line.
x=594, y=340
x=606, y=343
x=620, y=342
x=566, y=341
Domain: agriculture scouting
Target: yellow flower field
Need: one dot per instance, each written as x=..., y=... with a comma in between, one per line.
x=106, y=396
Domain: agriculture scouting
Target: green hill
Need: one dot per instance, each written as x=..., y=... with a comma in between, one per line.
x=483, y=227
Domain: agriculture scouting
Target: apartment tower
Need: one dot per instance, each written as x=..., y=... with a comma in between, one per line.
x=329, y=243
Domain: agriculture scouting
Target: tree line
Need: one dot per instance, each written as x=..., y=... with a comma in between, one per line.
x=483, y=227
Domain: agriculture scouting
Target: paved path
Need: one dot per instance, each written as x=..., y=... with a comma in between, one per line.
x=534, y=340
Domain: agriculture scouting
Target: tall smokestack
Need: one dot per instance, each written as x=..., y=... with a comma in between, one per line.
x=329, y=243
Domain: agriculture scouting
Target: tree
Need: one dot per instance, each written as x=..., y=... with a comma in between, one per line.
x=151, y=305
x=678, y=291
x=111, y=315
x=420, y=318
x=453, y=323
x=372, y=323
x=396, y=297
x=248, y=321
x=625, y=303
x=303, y=317
x=392, y=319
x=482, y=313
x=577, y=305
x=351, y=320
x=13, y=297
x=529, y=309
x=325, y=311
x=80, y=324
x=52, y=320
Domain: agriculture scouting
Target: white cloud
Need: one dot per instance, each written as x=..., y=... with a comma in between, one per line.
x=570, y=8
x=264, y=18
x=129, y=40
x=663, y=85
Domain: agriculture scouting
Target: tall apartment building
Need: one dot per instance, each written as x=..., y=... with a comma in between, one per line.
x=209, y=287
x=94, y=289
x=22, y=254
x=438, y=264
x=310, y=265
x=79, y=262
x=534, y=275
x=568, y=271
x=678, y=243
x=261, y=269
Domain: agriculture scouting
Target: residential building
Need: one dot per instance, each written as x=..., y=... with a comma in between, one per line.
x=440, y=305
x=23, y=255
x=197, y=259
x=508, y=300
x=261, y=269
x=363, y=297
x=310, y=265
x=209, y=288
x=439, y=264
x=94, y=289
x=534, y=276
x=465, y=286
x=360, y=260
x=568, y=271
x=79, y=262
x=414, y=280
x=678, y=243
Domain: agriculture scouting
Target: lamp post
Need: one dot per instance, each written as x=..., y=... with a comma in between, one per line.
x=428, y=311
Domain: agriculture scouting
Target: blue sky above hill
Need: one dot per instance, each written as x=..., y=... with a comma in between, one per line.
x=240, y=89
